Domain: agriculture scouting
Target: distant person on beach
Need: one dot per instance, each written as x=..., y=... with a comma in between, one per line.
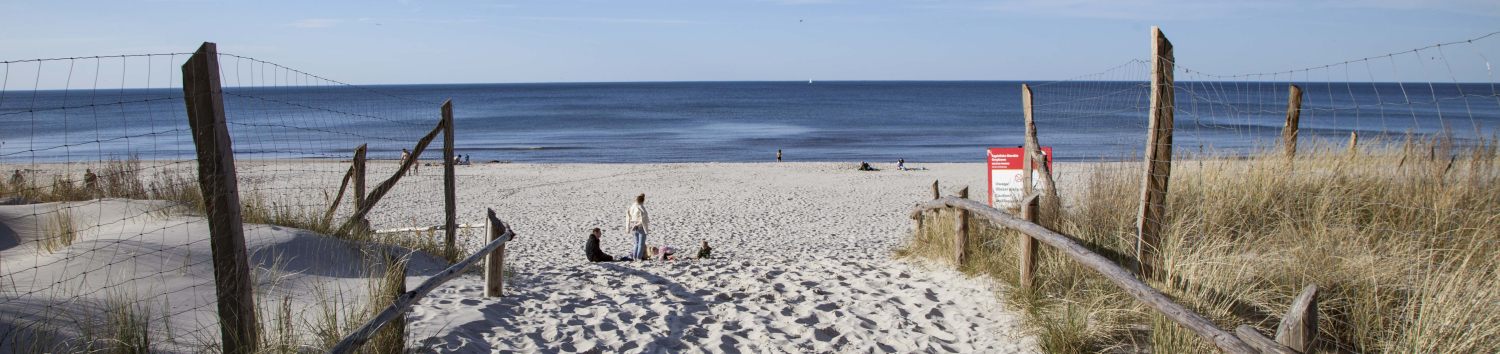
x=639, y=224
x=592, y=251
x=16, y=180
x=406, y=155
x=466, y=159
x=901, y=164
x=90, y=182
x=778, y=155
x=865, y=166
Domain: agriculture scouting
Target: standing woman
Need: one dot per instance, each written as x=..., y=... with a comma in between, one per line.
x=639, y=224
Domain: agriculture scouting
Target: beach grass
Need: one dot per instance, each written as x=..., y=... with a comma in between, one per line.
x=1399, y=236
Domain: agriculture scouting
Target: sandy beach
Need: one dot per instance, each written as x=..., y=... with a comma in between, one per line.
x=802, y=258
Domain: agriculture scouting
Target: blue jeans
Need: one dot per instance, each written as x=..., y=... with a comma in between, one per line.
x=640, y=244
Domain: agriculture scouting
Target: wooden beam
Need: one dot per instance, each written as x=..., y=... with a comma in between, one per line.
x=1030, y=211
x=494, y=263
x=1075, y=250
x=1293, y=116
x=935, y=193
x=1299, y=328
x=221, y=196
x=385, y=186
x=403, y=303
x=1158, y=173
x=450, y=193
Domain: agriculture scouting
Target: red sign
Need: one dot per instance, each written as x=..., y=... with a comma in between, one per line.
x=1005, y=173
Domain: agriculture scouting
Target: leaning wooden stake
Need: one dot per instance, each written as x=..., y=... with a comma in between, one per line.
x=1299, y=329
x=221, y=197
x=494, y=263
x=328, y=215
x=385, y=186
x=1158, y=156
x=1293, y=115
x=961, y=232
x=450, y=194
x=1030, y=210
x=935, y=193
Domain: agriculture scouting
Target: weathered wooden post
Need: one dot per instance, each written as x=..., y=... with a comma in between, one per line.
x=359, y=176
x=494, y=263
x=1158, y=155
x=1353, y=143
x=1293, y=115
x=961, y=232
x=221, y=197
x=1030, y=210
x=1033, y=147
x=359, y=182
x=935, y=193
x=1299, y=328
x=450, y=194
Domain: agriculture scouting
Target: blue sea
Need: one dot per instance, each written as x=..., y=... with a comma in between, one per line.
x=920, y=121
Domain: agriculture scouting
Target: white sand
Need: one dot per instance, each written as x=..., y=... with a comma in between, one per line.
x=804, y=259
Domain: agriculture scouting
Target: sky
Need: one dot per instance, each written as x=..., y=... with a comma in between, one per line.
x=474, y=41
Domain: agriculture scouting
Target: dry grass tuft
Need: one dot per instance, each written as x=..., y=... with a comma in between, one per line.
x=58, y=231
x=1400, y=237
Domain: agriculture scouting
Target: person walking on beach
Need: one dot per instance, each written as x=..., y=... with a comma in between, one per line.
x=16, y=180
x=639, y=224
x=591, y=248
x=778, y=155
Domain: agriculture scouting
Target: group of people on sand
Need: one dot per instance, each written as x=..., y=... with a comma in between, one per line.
x=639, y=224
x=406, y=155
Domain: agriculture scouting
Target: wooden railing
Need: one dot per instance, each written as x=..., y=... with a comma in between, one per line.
x=1295, y=334
x=494, y=255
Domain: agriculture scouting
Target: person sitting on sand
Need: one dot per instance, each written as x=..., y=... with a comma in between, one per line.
x=592, y=251
x=705, y=252
x=865, y=166
x=639, y=224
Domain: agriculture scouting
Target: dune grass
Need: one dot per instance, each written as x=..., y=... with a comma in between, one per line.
x=58, y=231
x=1400, y=237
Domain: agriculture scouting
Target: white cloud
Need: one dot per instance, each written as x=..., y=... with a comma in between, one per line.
x=316, y=23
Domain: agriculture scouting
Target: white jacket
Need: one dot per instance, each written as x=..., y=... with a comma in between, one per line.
x=637, y=216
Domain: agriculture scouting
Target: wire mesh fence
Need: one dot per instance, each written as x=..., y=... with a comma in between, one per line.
x=104, y=214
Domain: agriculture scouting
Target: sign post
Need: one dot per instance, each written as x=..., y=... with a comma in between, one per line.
x=1005, y=170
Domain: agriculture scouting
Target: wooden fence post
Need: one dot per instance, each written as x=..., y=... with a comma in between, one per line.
x=494, y=263
x=1293, y=115
x=450, y=194
x=1158, y=155
x=1353, y=143
x=359, y=176
x=1033, y=147
x=359, y=182
x=1299, y=328
x=1030, y=211
x=221, y=196
x=935, y=193
x=961, y=232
